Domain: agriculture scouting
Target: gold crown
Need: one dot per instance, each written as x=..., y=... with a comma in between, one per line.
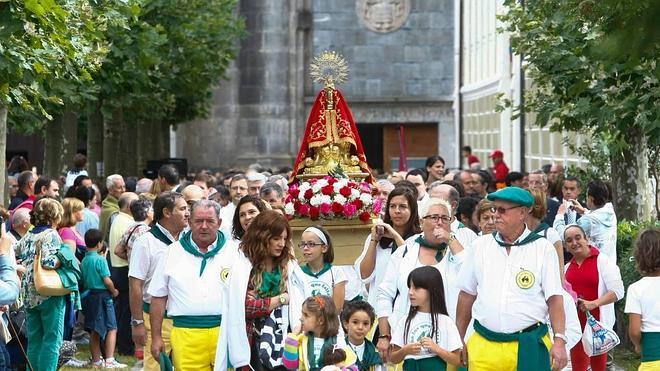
x=329, y=68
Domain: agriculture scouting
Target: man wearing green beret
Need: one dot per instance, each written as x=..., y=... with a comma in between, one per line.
x=510, y=284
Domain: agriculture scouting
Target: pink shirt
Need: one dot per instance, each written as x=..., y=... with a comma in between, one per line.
x=70, y=234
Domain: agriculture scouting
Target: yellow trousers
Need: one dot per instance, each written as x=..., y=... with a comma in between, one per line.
x=150, y=364
x=649, y=366
x=486, y=355
x=193, y=349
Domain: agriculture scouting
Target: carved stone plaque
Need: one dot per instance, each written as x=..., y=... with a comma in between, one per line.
x=383, y=15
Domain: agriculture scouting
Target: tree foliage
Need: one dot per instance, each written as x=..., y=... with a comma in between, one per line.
x=580, y=83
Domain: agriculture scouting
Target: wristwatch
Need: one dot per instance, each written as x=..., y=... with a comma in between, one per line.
x=282, y=299
x=136, y=322
x=562, y=336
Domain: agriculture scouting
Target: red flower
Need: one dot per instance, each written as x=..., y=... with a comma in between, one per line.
x=296, y=206
x=304, y=210
x=337, y=208
x=312, y=181
x=358, y=203
x=325, y=208
x=328, y=190
x=314, y=212
x=294, y=192
x=345, y=191
x=332, y=181
x=308, y=194
x=365, y=216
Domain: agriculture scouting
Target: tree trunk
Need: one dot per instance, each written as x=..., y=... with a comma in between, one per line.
x=3, y=149
x=70, y=138
x=164, y=141
x=129, y=146
x=112, y=127
x=145, y=144
x=95, y=141
x=630, y=180
x=53, y=146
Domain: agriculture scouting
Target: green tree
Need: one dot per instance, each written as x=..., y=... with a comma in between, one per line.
x=582, y=85
x=41, y=41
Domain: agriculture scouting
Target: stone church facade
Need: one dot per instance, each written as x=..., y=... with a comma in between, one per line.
x=401, y=59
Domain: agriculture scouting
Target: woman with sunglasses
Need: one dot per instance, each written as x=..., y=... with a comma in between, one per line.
x=401, y=221
x=437, y=247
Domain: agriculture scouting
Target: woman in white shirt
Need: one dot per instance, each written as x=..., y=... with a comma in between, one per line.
x=401, y=221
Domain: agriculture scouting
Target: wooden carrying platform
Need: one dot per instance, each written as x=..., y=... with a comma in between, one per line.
x=347, y=237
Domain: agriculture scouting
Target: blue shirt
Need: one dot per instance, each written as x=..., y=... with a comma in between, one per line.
x=94, y=270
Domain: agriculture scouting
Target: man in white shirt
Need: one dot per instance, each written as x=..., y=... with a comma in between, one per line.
x=418, y=177
x=238, y=187
x=189, y=281
x=510, y=284
x=170, y=218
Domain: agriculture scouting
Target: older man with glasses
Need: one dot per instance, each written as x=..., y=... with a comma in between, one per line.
x=511, y=284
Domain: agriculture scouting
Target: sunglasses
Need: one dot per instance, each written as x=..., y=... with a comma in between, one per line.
x=502, y=210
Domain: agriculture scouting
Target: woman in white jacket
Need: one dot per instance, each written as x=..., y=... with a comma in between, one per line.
x=435, y=246
x=400, y=222
x=597, y=282
x=265, y=276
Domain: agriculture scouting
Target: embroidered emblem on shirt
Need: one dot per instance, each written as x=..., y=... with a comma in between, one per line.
x=525, y=279
x=224, y=275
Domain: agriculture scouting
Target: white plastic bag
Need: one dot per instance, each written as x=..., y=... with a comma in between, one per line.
x=596, y=339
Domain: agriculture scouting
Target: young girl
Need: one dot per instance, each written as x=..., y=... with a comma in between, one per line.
x=643, y=302
x=318, y=329
x=427, y=339
x=358, y=317
x=322, y=277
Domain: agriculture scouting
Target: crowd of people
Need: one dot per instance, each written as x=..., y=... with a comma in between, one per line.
x=484, y=269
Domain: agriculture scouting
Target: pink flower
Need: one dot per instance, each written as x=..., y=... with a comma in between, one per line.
x=377, y=207
x=349, y=210
x=312, y=181
x=325, y=208
x=304, y=210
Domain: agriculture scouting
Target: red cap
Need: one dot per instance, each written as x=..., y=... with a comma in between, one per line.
x=496, y=153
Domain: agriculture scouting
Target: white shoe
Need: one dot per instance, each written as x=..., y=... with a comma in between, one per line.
x=112, y=363
x=76, y=363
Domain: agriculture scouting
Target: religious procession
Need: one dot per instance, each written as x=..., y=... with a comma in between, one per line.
x=354, y=185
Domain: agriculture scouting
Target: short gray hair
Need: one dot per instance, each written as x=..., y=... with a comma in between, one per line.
x=424, y=208
x=269, y=187
x=435, y=184
x=21, y=215
x=110, y=180
x=541, y=173
x=206, y=204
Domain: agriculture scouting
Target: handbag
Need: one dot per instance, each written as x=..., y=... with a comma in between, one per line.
x=597, y=339
x=47, y=281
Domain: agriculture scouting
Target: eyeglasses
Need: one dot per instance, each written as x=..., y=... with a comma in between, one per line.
x=502, y=210
x=303, y=244
x=435, y=218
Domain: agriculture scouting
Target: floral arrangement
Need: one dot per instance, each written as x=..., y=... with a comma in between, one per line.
x=332, y=198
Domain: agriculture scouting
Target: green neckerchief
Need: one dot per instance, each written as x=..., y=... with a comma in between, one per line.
x=305, y=268
x=542, y=227
x=165, y=362
x=461, y=225
x=369, y=358
x=439, y=247
x=160, y=236
x=187, y=245
x=270, y=283
x=531, y=237
x=650, y=346
x=423, y=364
x=317, y=364
x=532, y=353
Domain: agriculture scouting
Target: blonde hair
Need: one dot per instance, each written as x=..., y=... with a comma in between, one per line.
x=46, y=211
x=540, y=207
x=71, y=206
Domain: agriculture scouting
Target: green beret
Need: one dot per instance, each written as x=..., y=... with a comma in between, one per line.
x=514, y=195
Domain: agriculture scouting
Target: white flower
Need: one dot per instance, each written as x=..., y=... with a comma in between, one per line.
x=316, y=188
x=316, y=200
x=340, y=199
x=366, y=199
x=288, y=208
x=326, y=199
x=343, y=182
x=354, y=194
x=337, y=186
x=322, y=182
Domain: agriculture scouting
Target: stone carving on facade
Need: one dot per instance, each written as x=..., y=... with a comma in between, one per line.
x=383, y=15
